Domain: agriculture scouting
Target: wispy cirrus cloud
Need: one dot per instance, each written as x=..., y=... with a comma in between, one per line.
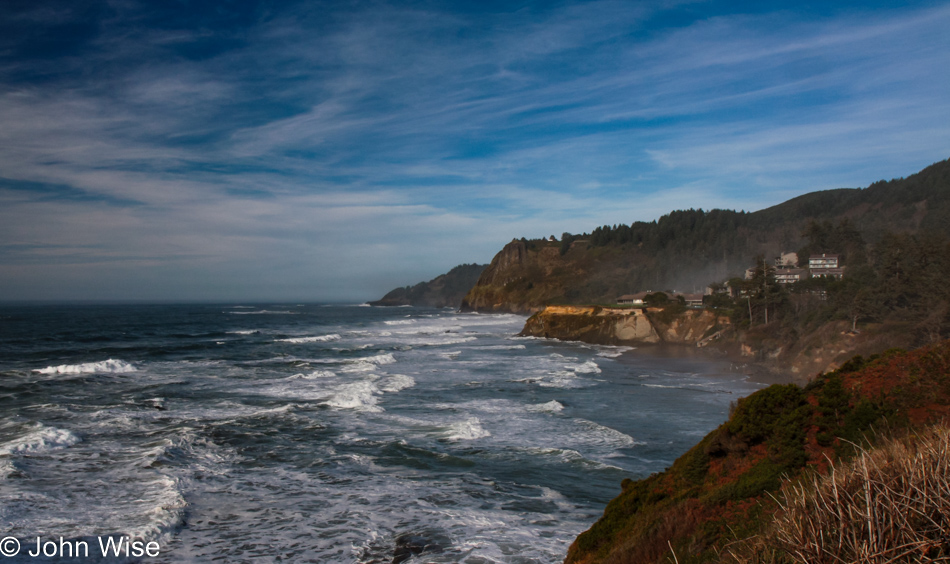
x=317, y=151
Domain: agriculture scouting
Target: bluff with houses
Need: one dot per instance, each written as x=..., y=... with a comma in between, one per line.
x=802, y=286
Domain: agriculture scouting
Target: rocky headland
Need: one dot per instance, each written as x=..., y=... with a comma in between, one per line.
x=446, y=290
x=625, y=326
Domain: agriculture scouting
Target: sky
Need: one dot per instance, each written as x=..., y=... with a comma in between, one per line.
x=330, y=151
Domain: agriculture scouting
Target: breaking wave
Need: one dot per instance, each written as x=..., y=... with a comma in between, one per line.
x=315, y=339
x=40, y=440
x=467, y=430
x=105, y=366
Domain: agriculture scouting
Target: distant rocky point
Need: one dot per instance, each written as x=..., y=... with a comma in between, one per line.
x=446, y=290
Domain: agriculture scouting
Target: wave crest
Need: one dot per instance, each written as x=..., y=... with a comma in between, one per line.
x=103, y=367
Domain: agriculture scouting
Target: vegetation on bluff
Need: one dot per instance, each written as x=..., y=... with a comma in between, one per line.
x=719, y=500
x=686, y=250
x=898, y=285
x=889, y=504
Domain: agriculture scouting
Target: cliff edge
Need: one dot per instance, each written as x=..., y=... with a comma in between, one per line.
x=625, y=326
x=726, y=494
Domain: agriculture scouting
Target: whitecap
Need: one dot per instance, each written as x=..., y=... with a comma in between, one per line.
x=314, y=339
x=467, y=430
x=263, y=312
x=400, y=322
x=552, y=406
x=397, y=383
x=167, y=510
x=562, y=379
x=313, y=375
x=41, y=439
x=106, y=366
x=360, y=396
x=606, y=436
x=614, y=352
x=589, y=367
x=6, y=469
x=385, y=358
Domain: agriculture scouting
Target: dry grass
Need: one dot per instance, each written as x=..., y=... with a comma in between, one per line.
x=890, y=504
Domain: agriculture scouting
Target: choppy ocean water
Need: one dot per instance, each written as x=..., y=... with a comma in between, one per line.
x=308, y=433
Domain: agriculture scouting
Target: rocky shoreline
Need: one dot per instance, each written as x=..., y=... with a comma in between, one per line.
x=768, y=358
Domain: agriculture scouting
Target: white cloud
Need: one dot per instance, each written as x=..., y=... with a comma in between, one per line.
x=340, y=159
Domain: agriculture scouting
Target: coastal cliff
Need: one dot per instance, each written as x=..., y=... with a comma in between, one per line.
x=508, y=284
x=624, y=326
x=726, y=499
x=768, y=349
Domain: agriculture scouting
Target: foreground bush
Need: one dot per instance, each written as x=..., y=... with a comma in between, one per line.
x=890, y=504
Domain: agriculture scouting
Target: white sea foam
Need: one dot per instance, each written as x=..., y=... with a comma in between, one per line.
x=244, y=332
x=164, y=507
x=39, y=440
x=613, y=352
x=264, y=312
x=385, y=358
x=605, y=436
x=437, y=342
x=561, y=379
x=467, y=430
x=6, y=468
x=502, y=348
x=400, y=322
x=105, y=366
x=313, y=375
x=571, y=456
x=367, y=363
x=314, y=339
x=361, y=396
x=589, y=367
x=552, y=406
x=396, y=383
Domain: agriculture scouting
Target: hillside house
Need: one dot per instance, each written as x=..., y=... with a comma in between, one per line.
x=632, y=299
x=822, y=261
x=836, y=273
x=790, y=275
x=693, y=300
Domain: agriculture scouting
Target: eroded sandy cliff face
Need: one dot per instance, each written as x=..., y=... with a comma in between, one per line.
x=623, y=326
x=822, y=352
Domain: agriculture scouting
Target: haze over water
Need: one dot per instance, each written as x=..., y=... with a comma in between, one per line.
x=329, y=433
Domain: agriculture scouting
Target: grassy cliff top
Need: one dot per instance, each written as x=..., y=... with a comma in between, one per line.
x=722, y=492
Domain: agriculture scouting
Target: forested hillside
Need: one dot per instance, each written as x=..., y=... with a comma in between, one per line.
x=687, y=250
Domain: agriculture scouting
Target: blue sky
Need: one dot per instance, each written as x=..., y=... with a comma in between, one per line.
x=184, y=150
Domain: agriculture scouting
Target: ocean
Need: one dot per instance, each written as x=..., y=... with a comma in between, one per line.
x=326, y=433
